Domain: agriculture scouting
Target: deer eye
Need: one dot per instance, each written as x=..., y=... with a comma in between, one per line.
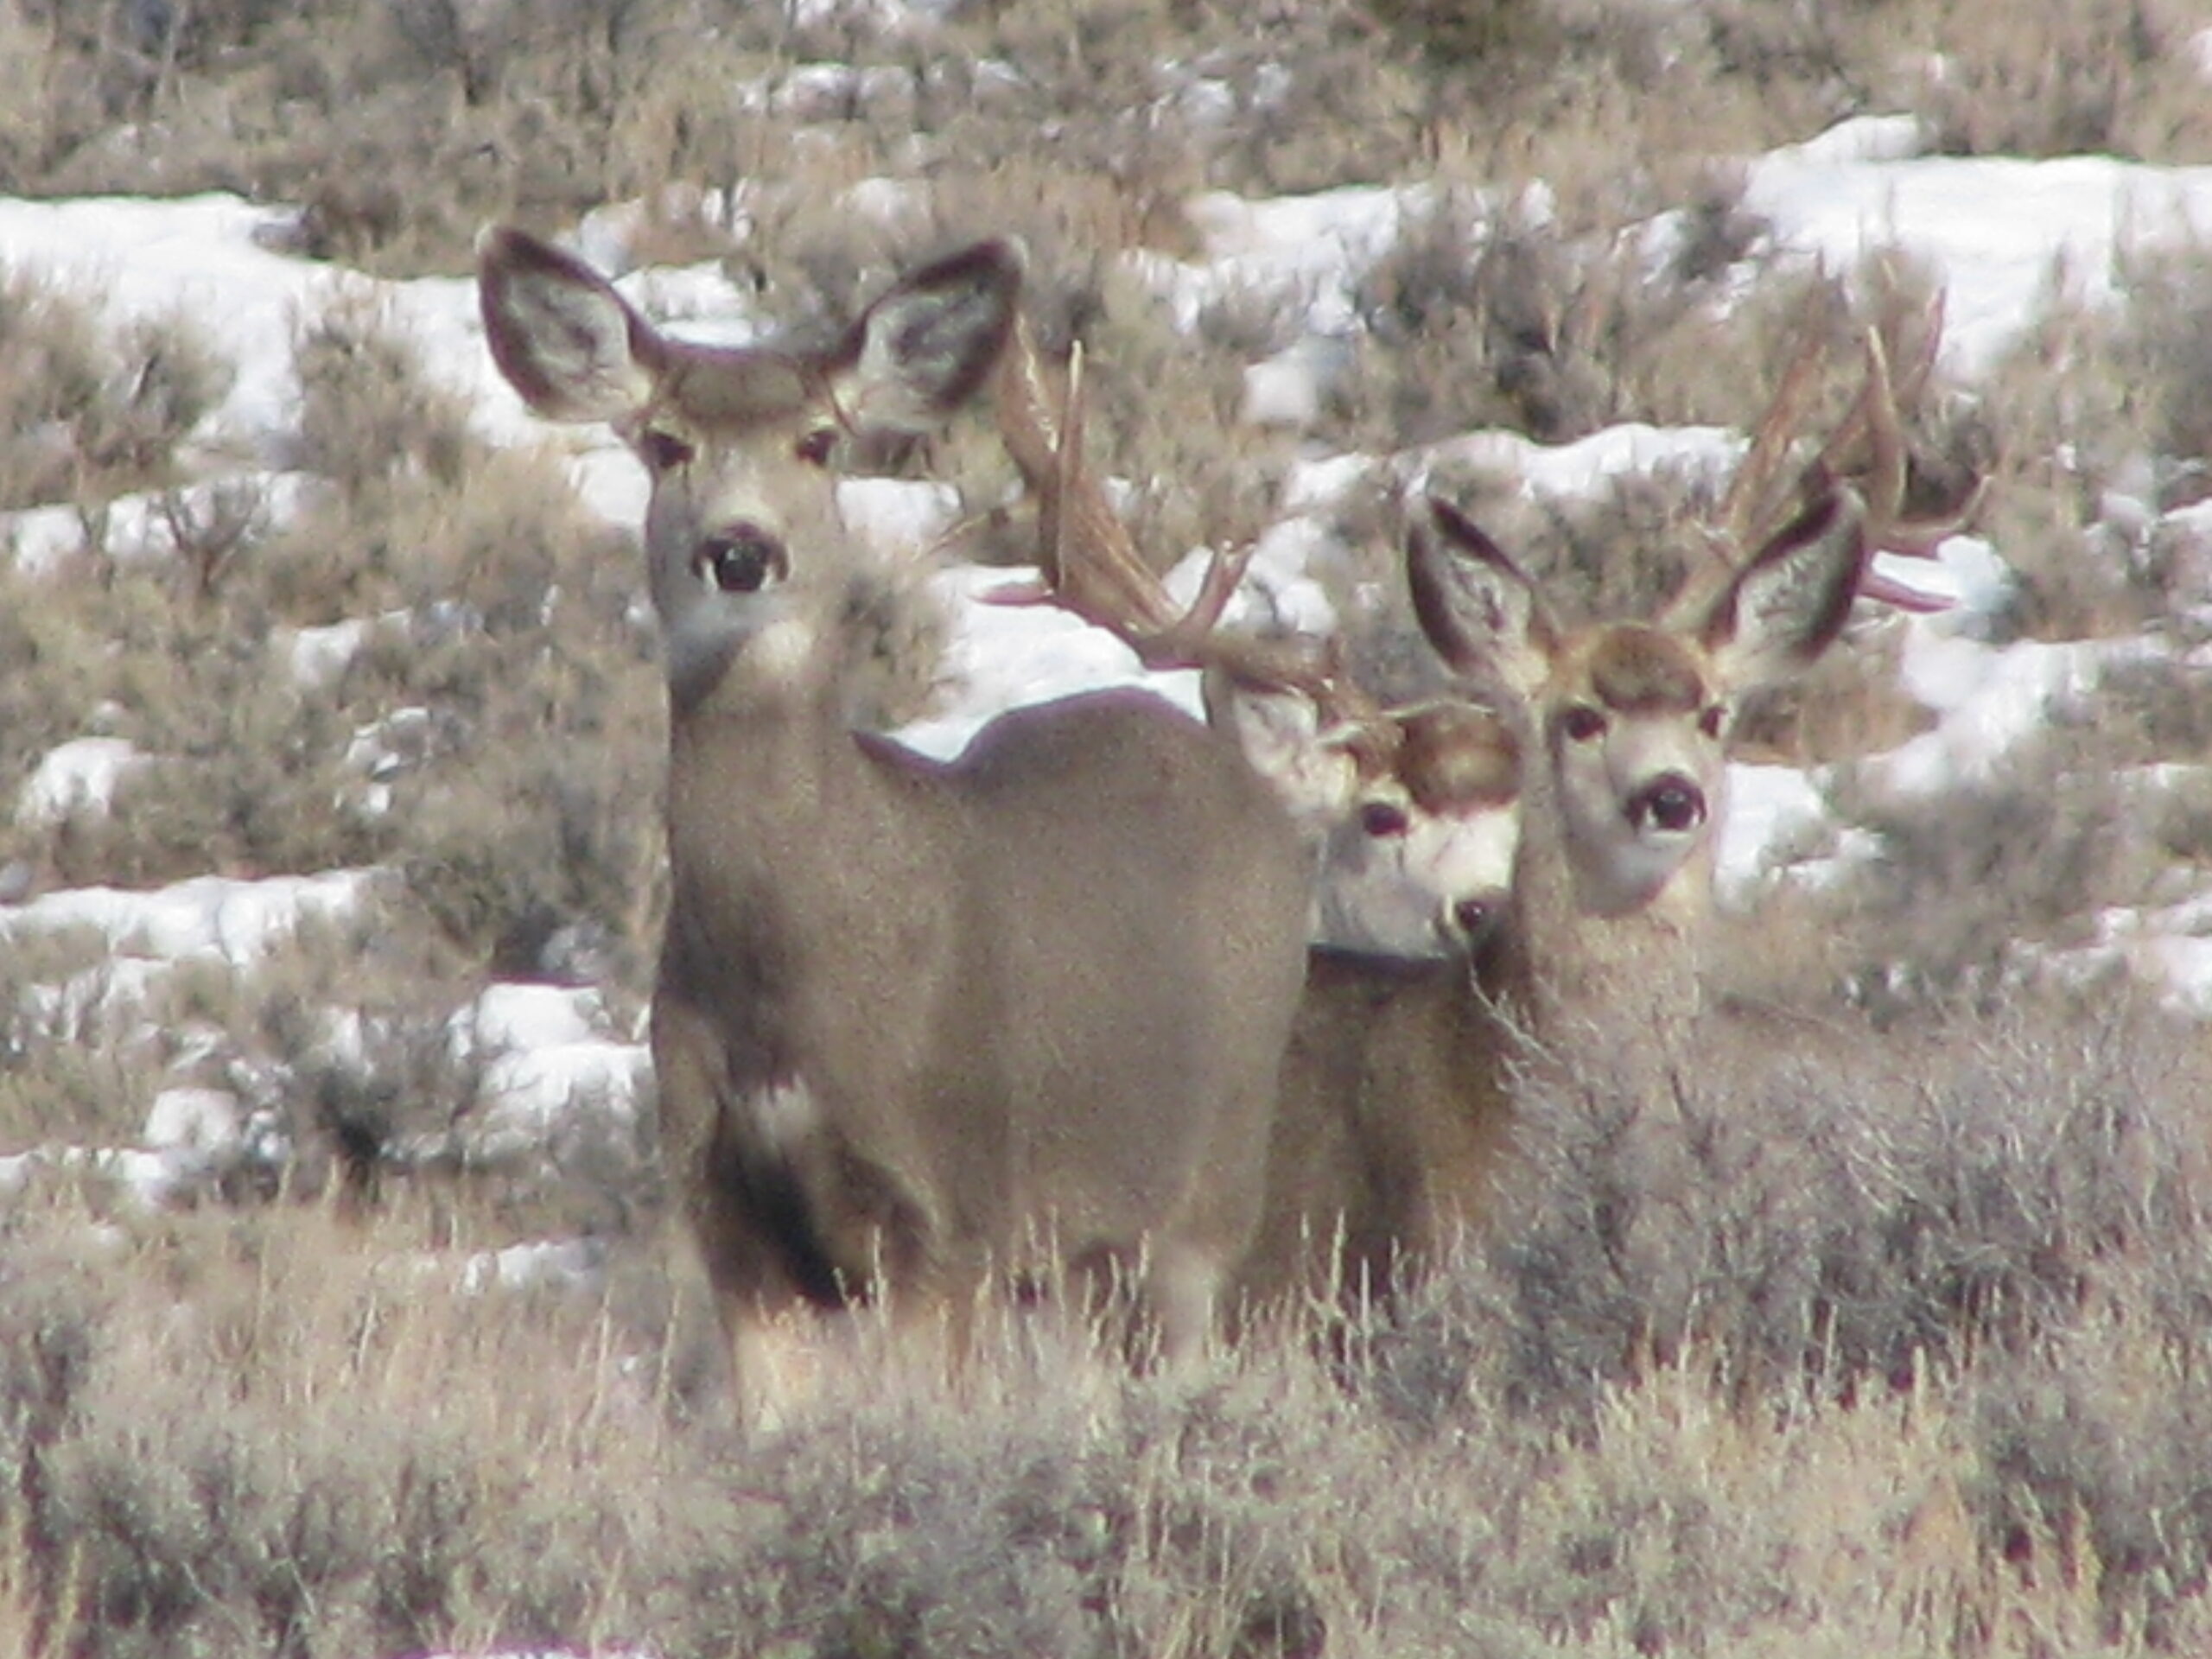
x=742, y=562
x=1582, y=723
x=1381, y=820
x=1712, y=720
x=814, y=448
x=664, y=452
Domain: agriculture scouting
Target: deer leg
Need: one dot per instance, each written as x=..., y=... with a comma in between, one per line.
x=1182, y=1286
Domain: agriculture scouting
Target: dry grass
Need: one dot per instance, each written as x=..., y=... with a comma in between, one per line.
x=1861, y=1340
x=1898, y=1357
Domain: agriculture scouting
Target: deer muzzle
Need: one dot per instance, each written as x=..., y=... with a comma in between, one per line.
x=1671, y=803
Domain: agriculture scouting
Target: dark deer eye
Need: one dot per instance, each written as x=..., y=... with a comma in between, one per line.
x=742, y=562
x=1381, y=820
x=664, y=451
x=1582, y=723
x=1712, y=720
x=814, y=448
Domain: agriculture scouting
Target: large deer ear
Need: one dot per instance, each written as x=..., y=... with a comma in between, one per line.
x=1789, y=603
x=1479, y=609
x=1280, y=735
x=565, y=339
x=928, y=343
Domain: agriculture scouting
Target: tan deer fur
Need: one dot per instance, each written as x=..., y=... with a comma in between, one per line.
x=1630, y=722
x=915, y=1021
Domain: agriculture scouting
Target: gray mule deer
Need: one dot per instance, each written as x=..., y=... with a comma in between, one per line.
x=1396, y=1109
x=1392, y=1119
x=915, y=1023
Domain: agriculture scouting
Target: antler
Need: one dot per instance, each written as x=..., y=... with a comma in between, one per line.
x=1089, y=562
x=1867, y=448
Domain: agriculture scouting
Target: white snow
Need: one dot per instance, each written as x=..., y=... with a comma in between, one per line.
x=546, y=1056
x=1997, y=228
x=2001, y=233
x=80, y=777
x=208, y=916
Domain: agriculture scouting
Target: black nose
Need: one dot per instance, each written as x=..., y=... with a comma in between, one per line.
x=1673, y=802
x=1476, y=917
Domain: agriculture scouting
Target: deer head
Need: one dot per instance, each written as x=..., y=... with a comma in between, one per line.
x=738, y=441
x=1412, y=813
x=1632, y=719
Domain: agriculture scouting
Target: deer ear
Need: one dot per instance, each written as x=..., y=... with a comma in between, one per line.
x=565, y=339
x=1789, y=603
x=1479, y=608
x=928, y=343
x=1279, y=736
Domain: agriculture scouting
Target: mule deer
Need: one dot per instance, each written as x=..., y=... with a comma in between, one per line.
x=913, y=1017
x=1632, y=720
x=1396, y=1109
x=1391, y=1118
x=1389, y=1121
x=1402, y=807
x=1396, y=1104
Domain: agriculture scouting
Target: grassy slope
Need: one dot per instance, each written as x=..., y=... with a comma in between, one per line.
x=1887, y=1346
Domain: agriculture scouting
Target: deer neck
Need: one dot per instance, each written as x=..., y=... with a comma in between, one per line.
x=795, y=837
x=1587, y=947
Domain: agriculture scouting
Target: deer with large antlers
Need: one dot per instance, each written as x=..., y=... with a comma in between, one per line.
x=1397, y=1107
x=1397, y=804
x=1396, y=1110
x=1633, y=720
x=913, y=1020
x=1391, y=1116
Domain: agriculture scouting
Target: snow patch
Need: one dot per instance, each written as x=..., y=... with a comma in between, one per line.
x=79, y=778
x=209, y=916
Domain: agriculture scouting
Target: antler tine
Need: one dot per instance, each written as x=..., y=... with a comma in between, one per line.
x=1866, y=447
x=1878, y=398
x=1877, y=415
x=1090, y=562
x=1748, y=502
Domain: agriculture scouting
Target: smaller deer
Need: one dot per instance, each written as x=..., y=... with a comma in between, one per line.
x=920, y=1026
x=1392, y=1118
x=1408, y=809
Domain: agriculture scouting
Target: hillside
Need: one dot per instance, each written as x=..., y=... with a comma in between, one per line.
x=331, y=741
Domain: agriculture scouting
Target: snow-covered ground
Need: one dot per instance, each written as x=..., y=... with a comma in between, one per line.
x=554, y=1066
x=1996, y=230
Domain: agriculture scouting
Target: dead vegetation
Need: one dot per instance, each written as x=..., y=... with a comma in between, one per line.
x=1885, y=1337
x=1896, y=1354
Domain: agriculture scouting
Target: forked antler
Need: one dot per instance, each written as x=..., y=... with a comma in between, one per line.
x=1087, y=562
x=1867, y=449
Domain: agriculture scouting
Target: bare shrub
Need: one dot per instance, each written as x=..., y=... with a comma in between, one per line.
x=2106, y=422
x=2104, y=78
x=368, y=412
x=1822, y=1212
x=1509, y=316
x=91, y=411
x=2023, y=854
